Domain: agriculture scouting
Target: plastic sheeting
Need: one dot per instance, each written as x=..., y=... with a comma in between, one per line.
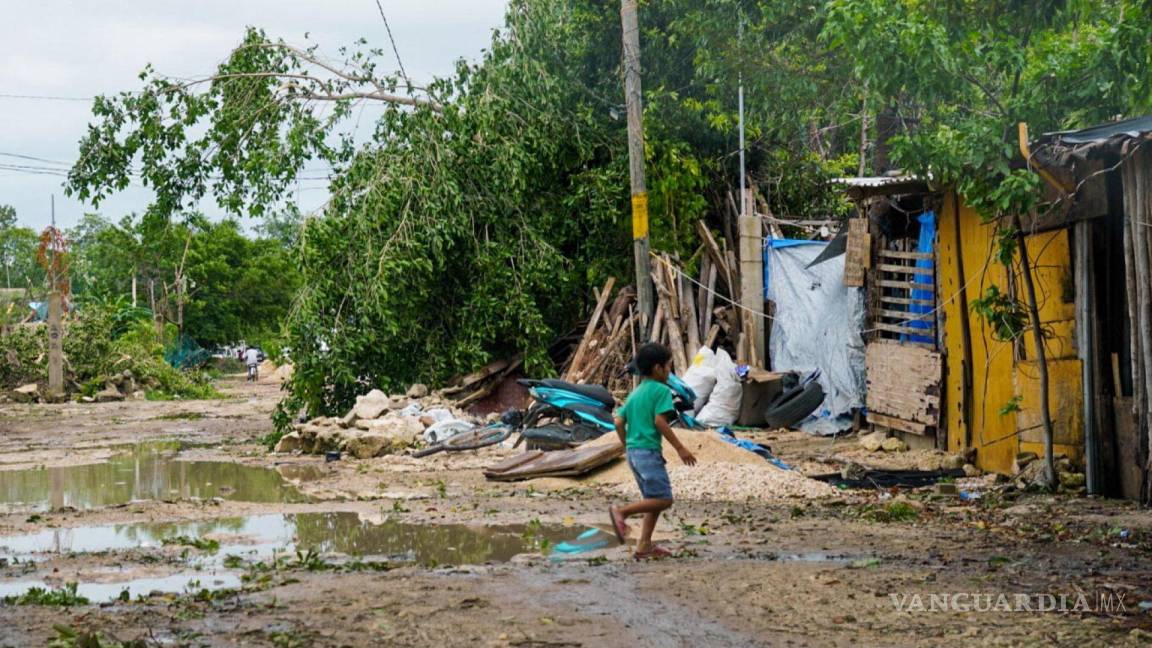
x=818, y=324
x=926, y=243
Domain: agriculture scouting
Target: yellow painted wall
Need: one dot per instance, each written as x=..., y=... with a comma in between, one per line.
x=996, y=375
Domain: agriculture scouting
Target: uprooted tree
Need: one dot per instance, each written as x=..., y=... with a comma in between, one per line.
x=472, y=219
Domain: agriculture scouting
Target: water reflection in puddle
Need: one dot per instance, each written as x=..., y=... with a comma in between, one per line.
x=262, y=537
x=146, y=472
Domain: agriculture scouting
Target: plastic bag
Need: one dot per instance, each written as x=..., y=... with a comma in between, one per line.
x=445, y=429
x=723, y=407
x=701, y=376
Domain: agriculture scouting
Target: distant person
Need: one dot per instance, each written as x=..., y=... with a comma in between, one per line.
x=252, y=361
x=642, y=424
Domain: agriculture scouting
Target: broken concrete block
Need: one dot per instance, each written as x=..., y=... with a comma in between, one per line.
x=290, y=442
x=371, y=405
x=349, y=419
x=26, y=393
x=109, y=394
x=894, y=444
x=972, y=471
x=366, y=445
x=417, y=391
x=952, y=461
x=873, y=442
x=853, y=471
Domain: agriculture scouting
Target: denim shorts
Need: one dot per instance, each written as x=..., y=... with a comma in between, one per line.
x=651, y=475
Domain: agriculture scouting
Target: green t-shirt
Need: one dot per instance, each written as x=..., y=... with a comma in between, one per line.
x=640, y=410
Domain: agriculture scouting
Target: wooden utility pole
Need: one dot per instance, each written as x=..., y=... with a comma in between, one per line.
x=640, y=245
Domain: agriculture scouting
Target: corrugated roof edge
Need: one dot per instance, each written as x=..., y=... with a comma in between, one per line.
x=1133, y=128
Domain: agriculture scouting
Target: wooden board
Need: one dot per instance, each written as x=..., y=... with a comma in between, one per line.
x=906, y=285
x=904, y=269
x=898, y=424
x=858, y=255
x=897, y=254
x=561, y=463
x=904, y=382
x=904, y=330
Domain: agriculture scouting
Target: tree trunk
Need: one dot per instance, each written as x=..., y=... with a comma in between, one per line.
x=1041, y=356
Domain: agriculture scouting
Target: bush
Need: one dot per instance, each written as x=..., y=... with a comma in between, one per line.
x=100, y=341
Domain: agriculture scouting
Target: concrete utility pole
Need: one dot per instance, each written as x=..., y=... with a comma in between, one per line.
x=55, y=327
x=640, y=246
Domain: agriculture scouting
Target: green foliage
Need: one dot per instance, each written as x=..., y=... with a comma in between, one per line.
x=100, y=340
x=68, y=637
x=475, y=224
x=18, y=247
x=234, y=287
x=894, y=512
x=65, y=596
x=1012, y=406
x=1007, y=316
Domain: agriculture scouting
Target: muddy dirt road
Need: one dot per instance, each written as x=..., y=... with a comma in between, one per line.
x=177, y=528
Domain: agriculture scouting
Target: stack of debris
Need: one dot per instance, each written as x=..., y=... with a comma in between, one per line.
x=379, y=424
x=690, y=312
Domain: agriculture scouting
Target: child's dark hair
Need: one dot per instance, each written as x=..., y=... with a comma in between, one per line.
x=650, y=355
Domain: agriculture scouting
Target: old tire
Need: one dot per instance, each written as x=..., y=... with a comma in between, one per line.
x=794, y=405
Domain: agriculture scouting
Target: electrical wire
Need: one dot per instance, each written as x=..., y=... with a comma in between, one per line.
x=395, y=51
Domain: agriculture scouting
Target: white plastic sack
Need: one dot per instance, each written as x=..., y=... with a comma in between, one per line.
x=444, y=429
x=701, y=376
x=817, y=325
x=414, y=409
x=723, y=407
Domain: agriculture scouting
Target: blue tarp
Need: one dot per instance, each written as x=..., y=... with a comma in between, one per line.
x=925, y=244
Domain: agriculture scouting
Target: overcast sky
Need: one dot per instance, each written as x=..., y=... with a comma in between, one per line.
x=80, y=48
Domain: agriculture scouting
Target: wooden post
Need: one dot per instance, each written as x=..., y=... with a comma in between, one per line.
x=55, y=345
x=133, y=288
x=630, y=25
x=1086, y=347
x=752, y=284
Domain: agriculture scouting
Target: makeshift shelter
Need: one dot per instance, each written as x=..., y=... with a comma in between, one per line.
x=938, y=374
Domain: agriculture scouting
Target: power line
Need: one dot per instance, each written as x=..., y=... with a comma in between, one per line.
x=34, y=158
x=44, y=97
x=393, y=41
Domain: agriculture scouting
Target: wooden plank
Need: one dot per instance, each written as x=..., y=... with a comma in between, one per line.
x=709, y=300
x=898, y=424
x=593, y=323
x=715, y=253
x=897, y=254
x=488, y=370
x=712, y=333
x=702, y=291
x=902, y=269
x=904, y=330
x=909, y=317
x=907, y=285
x=857, y=255
x=906, y=301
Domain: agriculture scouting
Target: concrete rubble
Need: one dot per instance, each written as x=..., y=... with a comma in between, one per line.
x=378, y=424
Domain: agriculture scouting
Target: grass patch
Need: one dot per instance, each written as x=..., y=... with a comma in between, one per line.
x=63, y=597
x=180, y=416
x=67, y=637
x=893, y=512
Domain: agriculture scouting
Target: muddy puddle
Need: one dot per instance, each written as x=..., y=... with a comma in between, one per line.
x=143, y=472
x=263, y=538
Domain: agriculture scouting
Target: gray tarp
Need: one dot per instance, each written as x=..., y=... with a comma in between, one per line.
x=818, y=324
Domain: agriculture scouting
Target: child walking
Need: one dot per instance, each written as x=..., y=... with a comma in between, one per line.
x=642, y=424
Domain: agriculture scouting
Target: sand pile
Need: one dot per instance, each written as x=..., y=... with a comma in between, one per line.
x=723, y=472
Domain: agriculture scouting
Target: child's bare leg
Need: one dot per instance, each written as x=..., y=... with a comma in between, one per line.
x=650, y=509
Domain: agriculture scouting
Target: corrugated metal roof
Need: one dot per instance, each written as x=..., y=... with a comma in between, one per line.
x=875, y=181
x=1134, y=127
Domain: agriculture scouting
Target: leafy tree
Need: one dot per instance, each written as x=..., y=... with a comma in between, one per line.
x=18, y=252
x=485, y=206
